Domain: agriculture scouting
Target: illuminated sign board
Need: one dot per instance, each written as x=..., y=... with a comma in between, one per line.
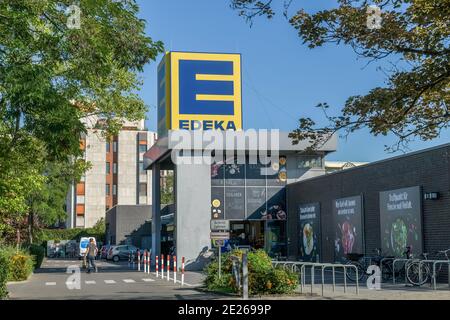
x=199, y=91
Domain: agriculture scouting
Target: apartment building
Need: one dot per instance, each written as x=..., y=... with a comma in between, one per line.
x=117, y=175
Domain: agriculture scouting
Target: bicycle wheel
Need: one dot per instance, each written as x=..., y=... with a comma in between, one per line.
x=350, y=273
x=413, y=273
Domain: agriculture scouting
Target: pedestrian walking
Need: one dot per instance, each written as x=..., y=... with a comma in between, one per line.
x=91, y=253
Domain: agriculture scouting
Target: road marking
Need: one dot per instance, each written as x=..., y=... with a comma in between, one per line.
x=148, y=280
x=110, y=281
x=128, y=280
x=90, y=282
x=50, y=283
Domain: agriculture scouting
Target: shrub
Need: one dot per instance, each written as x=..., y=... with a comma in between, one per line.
x=263, y=277
x=4, y=269
x=20, y=263
x=38, y=252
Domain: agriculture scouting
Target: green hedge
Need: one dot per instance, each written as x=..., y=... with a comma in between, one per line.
x=39, y=253
x=98, y=231
x=4, y=270
x=263, y=277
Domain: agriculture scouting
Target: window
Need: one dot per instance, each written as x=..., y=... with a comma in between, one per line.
x=80, y=199
x=114, y=146
x=108, y=146
x=308, y=162
x=141, y=167
x=108, y=191
x=114, y=167
x=114, y=189
x=108, y=168
x=142, y=148
x=142, y=189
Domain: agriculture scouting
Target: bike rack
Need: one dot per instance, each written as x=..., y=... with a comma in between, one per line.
x=296, y=264
x=434, y=275
x=381, y=266
x=405, y=266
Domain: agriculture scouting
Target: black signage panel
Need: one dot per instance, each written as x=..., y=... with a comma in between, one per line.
x=348, y=222
x=276, y=204
x=401, y=221
x=235, y=203
x=217, y=202
x=256, y=202
x=310, y=232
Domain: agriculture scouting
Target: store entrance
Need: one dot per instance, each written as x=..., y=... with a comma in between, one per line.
x=259, y=234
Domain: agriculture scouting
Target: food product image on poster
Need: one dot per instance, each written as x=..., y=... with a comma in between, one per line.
x=235, y=174
x=234, y=203
x=279, y=177
x=309, y=237
x=348, y=220
x=276, y=204
x=217, y=201
x=256, y=202
x=217, y=174
x=401, y=221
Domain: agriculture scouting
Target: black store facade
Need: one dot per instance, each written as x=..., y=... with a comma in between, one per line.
x=387, y=204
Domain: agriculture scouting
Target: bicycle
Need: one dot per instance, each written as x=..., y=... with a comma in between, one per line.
x=418, y=272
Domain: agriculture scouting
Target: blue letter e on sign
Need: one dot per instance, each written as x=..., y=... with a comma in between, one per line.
x=206, y=91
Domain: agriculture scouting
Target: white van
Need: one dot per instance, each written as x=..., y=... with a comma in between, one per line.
x=84, y=242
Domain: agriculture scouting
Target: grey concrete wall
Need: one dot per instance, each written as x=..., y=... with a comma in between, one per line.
x=130, y=220
x=192, y=213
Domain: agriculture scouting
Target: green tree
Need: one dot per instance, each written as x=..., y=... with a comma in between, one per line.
x=414, y=103
x=52, y=75
x=167, y=188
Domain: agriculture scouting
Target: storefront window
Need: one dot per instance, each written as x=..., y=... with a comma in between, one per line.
x=308, y=162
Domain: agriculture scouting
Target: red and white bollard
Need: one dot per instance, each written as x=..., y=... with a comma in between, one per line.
x=168, y=267
x=157, y=262
x=174, y=269
x=163, y=266
x=149, y=262
x=139, y=260
x=145, y=261
x=182, y=271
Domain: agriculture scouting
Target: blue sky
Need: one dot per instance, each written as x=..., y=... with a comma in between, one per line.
x=282, y=79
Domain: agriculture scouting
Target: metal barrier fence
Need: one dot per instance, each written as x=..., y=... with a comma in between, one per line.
x=301, y=266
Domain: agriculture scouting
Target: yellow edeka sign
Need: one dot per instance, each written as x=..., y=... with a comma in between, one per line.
x=199, y=91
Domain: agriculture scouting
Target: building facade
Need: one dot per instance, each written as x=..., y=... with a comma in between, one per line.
x=116, y=176
x=389, y=204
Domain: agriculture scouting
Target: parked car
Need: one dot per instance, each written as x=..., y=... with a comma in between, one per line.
x=122, y=252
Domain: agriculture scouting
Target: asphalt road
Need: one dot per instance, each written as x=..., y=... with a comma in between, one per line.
x=113, y=281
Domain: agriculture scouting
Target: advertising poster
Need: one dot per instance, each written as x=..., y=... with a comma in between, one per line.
x=276, y=204
x=401, y=221
x=348, y=224
x=235, y=203
x=234, y=174
x=309, y=232
x=254, y=176
x=217, y=174
x=279, y=178
x=256, y=202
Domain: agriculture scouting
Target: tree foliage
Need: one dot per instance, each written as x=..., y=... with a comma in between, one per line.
x=414, y=102
x=51, y=77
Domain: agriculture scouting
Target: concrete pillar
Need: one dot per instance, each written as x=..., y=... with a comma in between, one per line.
x=156, y=211
x=192, y=213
